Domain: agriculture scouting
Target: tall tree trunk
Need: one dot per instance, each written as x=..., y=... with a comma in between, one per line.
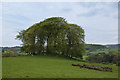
x=47, y=48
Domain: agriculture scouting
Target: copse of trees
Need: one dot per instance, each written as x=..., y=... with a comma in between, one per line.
x=53, y=36
x=111, y=57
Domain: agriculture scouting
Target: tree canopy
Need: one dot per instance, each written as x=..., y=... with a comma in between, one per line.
x=53, y=36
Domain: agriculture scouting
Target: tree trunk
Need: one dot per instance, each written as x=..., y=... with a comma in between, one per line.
x=47, y=49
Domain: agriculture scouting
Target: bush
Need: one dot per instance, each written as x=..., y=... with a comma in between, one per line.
x=22, y=54
x=5, y=54
x=103, y=58
x=9, y=54
x=118, y=63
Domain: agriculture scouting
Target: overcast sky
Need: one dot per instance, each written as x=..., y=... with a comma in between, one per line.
x=99, y=20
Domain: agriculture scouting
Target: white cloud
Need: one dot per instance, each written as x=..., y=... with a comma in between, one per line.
x=99, y=20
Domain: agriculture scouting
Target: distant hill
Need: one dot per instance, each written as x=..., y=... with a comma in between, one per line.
x=99, y=46
x=93, y=47
x=89, y=47
x=7, y=48
x=112, y=45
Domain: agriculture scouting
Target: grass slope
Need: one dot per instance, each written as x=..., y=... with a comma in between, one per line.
x=50, y=67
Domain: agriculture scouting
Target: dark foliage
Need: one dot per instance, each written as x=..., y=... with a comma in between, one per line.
x=103, y=58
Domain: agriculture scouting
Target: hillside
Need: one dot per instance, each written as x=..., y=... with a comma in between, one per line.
x=51, y=67
x=97, y=48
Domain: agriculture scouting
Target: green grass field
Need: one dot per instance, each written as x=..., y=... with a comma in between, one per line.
x=50, y=67
x=103, y=50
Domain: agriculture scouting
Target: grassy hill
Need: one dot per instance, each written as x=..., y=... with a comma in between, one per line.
x=98, y=48
x=50, y=67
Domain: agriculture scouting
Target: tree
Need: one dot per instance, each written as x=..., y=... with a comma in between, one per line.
x=55, y=30
x=75, y=41
x=55, y=36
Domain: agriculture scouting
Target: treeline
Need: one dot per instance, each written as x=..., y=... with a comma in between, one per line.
x=111, y=57
x=93, y=47
x=16, y=48
x=113, y=46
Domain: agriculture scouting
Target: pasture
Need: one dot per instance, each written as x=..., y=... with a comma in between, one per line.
x=51, y=67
